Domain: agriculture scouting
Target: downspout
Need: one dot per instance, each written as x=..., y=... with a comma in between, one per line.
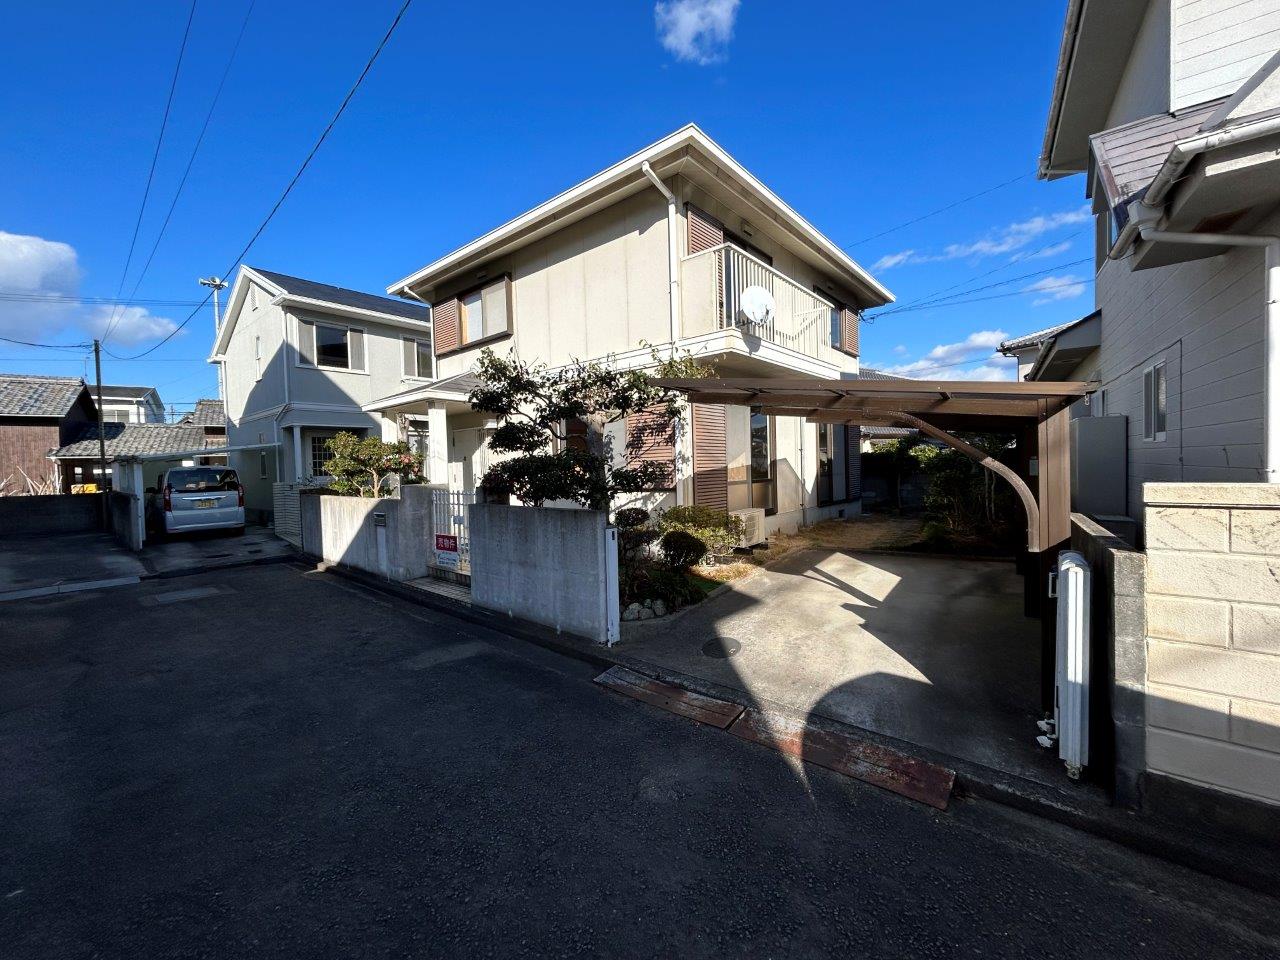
x=673, y=253
x=1271, y=325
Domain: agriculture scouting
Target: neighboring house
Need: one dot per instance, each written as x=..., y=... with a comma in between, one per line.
x=122, y=404
x=875, y=437
x=77, y=459
x=38, y=414
x=675, y=245
x=299, y=361
x=210, y=416
x=1172, y=109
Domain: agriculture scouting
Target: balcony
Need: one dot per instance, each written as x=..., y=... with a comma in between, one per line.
x=725, y=288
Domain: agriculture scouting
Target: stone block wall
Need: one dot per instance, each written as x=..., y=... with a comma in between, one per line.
x=1213, y=635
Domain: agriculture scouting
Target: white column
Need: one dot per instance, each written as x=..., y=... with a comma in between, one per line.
x=297, y=454
x=437, y=445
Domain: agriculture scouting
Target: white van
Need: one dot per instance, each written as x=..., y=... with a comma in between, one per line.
x=198, y=498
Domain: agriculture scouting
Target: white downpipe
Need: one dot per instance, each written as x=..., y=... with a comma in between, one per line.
x=673, y=253
x=1271, y=325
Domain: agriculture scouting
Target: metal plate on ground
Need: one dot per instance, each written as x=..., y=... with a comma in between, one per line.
x=686, y=703
x=908, y=776
x=181, y=596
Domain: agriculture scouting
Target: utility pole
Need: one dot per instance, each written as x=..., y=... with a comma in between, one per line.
x=102, y=440
x=216, y=284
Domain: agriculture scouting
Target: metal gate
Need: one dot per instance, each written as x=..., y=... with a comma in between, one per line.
x=452, y=547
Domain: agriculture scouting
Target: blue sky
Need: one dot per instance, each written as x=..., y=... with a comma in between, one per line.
x=863, y=116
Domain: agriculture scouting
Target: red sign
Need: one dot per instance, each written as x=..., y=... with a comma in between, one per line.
x=446, y=543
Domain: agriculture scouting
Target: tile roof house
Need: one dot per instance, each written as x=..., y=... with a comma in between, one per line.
x=77, y=458
x=38, y=414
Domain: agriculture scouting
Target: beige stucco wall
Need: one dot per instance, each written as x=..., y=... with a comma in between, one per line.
x=1213, y=635
x=596, y=287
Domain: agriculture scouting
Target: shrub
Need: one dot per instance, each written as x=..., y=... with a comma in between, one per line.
x=653, y=581
x=719, y=531
x=681, y=549
x=629, y=518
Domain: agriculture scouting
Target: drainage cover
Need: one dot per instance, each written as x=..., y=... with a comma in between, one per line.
x=721, y=648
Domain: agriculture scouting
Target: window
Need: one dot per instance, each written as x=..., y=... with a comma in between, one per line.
x=486, y=312
x=417, y=358
x=826, y=462
x=1155, y=410
x=762, y=485
x=262, y=464
x=199, y=479
x=330, y=345
x=257, y=356
x=320, y=456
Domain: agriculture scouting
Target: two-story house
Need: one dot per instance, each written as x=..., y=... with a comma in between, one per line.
x=676, y=246
x=299, y=361
x=1172, y=110
x=126, y=404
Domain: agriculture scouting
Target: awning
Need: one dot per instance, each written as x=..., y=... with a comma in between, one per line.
x=1036, y=412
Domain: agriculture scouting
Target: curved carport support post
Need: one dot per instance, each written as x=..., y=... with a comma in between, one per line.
x=985, y=460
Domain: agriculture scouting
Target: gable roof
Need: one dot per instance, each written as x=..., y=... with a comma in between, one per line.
x=313, y=290
x=457, y=387
x=25, y=395
x=208, y=413
x=133, y=438
x=686, y=148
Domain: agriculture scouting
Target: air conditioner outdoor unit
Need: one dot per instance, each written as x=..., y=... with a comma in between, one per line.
x=752, y=526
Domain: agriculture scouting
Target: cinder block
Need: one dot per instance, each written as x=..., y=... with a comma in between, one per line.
x=1190, y=711
x=1256, y=724
x=1215, y=576
x=1229, y=673
x=1188, y=528
x=1255, y=627
x=1211, y=494
x=1230, y=766
x=1255, y=531
x=1189, y=620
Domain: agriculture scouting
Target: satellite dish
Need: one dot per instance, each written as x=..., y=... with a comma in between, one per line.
x=755, y=307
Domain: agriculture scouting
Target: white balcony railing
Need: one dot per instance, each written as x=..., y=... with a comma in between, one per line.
x=713, y=286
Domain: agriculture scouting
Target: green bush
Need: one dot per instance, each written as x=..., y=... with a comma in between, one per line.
x=681, y=549
x=653, y=581
x=629, y=518
x=719, y=531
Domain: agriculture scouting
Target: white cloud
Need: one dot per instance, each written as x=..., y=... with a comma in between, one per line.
x=949, y=361
x=1050, y=251
x=43, y=268
x=132, y=325
x=698, y=31
x=1066, y=287
x=1009, y=239
x=891, y=260
x=901, y=350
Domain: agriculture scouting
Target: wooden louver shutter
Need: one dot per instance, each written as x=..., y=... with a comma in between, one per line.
x=446, y=326
x=853, y=462
x=651, y=438
x=849, y=331
x=710, y=458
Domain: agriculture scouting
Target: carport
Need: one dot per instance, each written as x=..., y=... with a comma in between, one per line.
x=128, y=497
x=1035, y=414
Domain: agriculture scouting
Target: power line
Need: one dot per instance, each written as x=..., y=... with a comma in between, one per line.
x=155, y=156
x=48, y=346
x=194, y=150
x=917, y=304
x=62, y=298
x=293, y=182
x=934, y=213
x=1047, y=288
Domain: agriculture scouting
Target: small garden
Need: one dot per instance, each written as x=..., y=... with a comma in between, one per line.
x=664, y=562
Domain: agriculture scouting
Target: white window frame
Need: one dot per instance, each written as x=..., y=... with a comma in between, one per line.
x=430, y=353
x=257, y=356
x=263, y=472
x=300, y=325
x=1154, y=377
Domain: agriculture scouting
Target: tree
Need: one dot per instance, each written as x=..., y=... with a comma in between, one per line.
x=362, y=466
x=554, y=423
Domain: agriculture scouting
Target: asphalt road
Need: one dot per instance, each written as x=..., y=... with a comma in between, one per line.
x=282, y=764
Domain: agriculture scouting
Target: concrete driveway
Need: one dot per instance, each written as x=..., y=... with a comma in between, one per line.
x=31, y=565
x=931, y=650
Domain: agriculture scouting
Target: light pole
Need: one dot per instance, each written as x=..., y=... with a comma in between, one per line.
x=216, y=283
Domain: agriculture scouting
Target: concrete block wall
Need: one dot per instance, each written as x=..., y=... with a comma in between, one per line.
x=50, y=514
x=545, y=565
x=1213, y=635
x=344, y=530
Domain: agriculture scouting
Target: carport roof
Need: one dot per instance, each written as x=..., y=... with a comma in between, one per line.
x=951, y=404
